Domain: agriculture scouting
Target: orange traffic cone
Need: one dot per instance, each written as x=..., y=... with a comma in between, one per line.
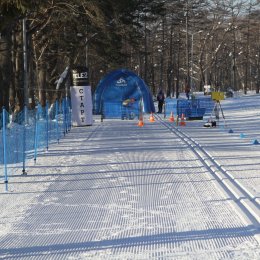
x=182, y=123
x=171, y=118
x=151, y=118
x=141, y=122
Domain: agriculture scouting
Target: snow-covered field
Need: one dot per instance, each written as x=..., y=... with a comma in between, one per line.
x=118, y=191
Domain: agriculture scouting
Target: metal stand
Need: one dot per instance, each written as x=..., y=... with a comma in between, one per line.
x=216, y=111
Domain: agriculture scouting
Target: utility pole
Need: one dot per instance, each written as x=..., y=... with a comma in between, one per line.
x=25, y=69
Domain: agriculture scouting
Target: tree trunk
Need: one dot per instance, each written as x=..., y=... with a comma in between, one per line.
x=18, y=72
x=42, y=83
x=5, y=68
x=258, y=72
x=12, y=92
x=170, y=87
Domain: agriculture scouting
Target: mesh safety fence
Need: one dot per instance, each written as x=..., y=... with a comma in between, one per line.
x=193, y=108
x=121, y=110
x=25, y=133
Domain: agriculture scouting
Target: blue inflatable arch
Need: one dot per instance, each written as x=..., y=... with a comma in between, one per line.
x=121, y=85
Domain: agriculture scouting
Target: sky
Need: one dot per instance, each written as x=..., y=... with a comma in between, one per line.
x=114, y=190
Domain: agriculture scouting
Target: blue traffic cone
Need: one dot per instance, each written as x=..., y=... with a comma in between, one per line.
x=255, y=142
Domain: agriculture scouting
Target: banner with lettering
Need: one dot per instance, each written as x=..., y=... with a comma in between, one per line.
x=81, y=102
x=81, y=98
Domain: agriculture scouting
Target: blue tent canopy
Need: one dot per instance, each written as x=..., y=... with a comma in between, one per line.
x=120, y=85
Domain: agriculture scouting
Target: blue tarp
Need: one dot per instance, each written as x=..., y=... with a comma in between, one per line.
x=120, y=85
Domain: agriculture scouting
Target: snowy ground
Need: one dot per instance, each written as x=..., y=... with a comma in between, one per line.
x=118, y=191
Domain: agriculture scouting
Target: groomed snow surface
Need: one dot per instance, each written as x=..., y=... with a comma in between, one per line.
x=118, y=191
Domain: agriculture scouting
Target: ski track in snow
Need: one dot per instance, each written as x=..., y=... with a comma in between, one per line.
x=117, y=191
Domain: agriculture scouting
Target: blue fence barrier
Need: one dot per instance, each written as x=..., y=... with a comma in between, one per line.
x=119, y=110
x=25, y=133
x=170, y=106
x=192, y=108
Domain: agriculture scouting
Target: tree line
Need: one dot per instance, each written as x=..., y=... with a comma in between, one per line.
x=169, y=43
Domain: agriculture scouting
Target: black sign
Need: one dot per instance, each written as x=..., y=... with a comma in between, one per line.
x=80, y=76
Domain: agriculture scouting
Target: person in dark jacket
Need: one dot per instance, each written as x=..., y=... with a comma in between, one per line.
x=160, y=99
x=187, y=91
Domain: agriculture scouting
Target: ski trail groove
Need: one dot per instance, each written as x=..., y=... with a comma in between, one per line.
x=248, y=204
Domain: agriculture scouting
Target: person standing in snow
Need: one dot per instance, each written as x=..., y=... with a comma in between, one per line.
x=187, y=91
x=160, y=99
